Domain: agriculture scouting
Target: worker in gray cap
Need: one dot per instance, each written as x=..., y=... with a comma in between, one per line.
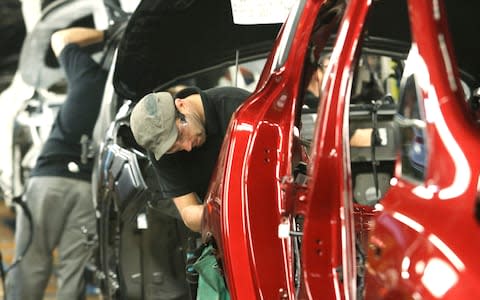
x=185, y=134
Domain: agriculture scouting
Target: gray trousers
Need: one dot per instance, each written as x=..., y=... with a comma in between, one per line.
x=60, y=207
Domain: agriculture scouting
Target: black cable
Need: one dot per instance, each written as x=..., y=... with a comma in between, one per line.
x=297, y=241
x=375, y=140
x=360, y=259
x=28, y=214
x=112, y=37
x=2, y=274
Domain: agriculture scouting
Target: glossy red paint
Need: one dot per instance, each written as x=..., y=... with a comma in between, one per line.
x=426, y=228
x=420, y=228
x=328, y=240
x=249, y=190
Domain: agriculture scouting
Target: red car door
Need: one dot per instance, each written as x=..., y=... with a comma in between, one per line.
x=422, y=245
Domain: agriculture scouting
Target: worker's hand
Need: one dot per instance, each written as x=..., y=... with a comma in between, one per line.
x=362, y=137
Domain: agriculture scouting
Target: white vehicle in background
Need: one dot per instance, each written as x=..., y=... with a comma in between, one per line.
x=38, y=88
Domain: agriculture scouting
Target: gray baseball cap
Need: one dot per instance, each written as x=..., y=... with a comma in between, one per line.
x=153, y=123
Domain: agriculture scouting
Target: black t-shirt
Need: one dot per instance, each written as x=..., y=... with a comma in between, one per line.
x=61, y=153
x=185, y=172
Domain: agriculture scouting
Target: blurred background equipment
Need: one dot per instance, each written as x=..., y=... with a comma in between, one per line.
x=12, y=33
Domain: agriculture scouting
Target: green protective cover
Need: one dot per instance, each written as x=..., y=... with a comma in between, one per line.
x=211, y=284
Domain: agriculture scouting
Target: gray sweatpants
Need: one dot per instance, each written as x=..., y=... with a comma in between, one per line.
x=60, y=208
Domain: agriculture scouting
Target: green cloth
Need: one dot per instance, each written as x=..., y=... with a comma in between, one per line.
x=211, y=284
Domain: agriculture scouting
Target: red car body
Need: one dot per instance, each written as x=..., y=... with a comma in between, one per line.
x=422, y=234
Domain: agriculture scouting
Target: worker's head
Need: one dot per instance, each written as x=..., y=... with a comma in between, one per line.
x=162, y=125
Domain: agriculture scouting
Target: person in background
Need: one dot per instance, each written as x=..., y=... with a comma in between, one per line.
x=59, y=193
x=313, y=93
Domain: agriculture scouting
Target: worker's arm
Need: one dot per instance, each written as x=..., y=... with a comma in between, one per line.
x=75, y=35
x=190, y=211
